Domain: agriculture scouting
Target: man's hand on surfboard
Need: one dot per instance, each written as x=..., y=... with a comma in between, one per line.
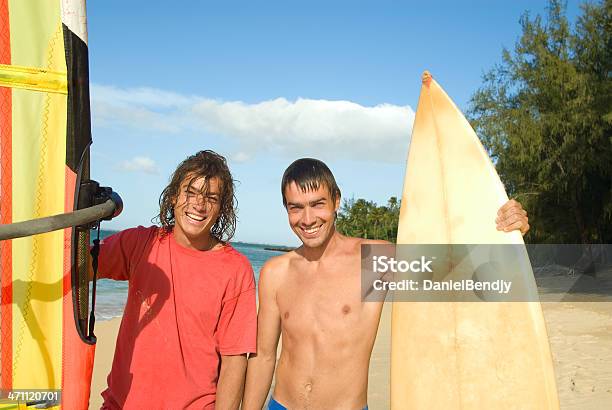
x=511, y=217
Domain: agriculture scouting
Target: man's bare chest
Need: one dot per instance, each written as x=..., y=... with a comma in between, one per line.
x=322, y=302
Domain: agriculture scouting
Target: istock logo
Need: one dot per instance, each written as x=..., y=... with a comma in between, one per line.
x=385, y=264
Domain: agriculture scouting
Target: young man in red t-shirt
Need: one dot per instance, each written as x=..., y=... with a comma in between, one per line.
x=190, y=316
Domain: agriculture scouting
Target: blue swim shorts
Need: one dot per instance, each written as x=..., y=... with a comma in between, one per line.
x=274, y=405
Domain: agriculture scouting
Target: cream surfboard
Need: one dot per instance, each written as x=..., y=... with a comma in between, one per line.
x=463, y=355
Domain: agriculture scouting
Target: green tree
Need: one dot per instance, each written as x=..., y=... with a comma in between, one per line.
x=365, y=219
x=545, y=115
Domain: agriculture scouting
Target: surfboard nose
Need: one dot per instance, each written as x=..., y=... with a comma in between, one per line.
x=426, y=78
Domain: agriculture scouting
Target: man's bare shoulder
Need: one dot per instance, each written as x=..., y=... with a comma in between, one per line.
x=355, y=243
x=351, y=246
x=375, y=242
x=277, y=266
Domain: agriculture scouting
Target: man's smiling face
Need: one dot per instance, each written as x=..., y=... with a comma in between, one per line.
x=311, y=213
x=196, y=210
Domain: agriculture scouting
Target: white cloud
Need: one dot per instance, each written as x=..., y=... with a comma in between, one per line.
x=240, y=157
x=134, y=97
x=304, y=127
x=139, y=164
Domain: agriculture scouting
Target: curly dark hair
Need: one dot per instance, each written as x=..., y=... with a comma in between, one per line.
x=207, y=164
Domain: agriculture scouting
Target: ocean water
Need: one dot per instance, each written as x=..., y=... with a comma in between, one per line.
x=112, y=294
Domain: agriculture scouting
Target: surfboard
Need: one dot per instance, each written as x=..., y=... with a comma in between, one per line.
x=462, y=355
x=44, y=140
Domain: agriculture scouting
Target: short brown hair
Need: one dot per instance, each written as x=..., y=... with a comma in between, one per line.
x=309, y=174
x=207, y=164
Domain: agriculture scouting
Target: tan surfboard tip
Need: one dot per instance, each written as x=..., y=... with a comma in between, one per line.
x=426, y=78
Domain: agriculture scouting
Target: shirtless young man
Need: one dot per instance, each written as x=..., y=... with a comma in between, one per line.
x=312, y=296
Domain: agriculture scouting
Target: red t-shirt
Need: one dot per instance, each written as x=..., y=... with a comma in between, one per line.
x=185, y=308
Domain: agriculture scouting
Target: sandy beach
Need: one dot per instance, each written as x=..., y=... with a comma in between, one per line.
x=106, y=331
x=580, y=336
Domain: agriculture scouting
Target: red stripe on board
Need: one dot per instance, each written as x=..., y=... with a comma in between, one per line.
x=68, y=314
x=5, y=34
x=6, y=204
x=77, y=356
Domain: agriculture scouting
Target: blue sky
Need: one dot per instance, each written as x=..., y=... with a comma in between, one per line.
x=266, y=82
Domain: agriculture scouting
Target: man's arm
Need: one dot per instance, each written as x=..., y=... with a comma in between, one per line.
x=261, y=365
x=231, y=382
x=511, y=217
x=119, y=250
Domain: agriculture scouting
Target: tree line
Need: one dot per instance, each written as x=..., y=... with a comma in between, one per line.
x=365, y=219
x=544, y=114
